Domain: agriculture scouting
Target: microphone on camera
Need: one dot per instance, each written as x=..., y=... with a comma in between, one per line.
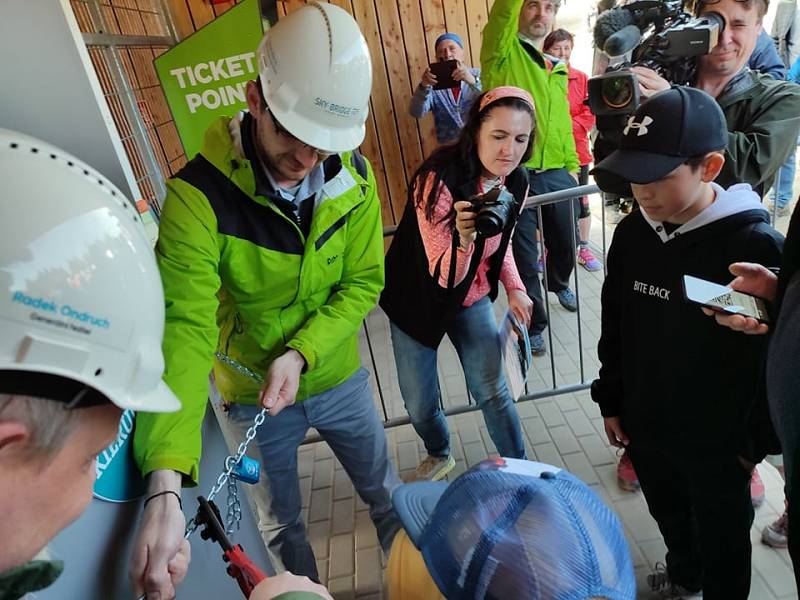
x=622, y=42
x=610, y=22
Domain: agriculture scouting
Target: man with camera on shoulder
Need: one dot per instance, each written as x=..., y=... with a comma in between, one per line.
x=763, y=115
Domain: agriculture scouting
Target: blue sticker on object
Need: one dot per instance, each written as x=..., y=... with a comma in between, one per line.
x=118, y=479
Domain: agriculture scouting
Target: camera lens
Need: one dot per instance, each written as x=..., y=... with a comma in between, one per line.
x=489, y=223
x=617, y=92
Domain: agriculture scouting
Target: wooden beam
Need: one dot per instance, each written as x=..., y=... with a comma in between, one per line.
x=455, y=18
x=201, y=11
x=418, y=60
x=181, y=17
x=477, y=16
x=399, y=85
x=389, y=140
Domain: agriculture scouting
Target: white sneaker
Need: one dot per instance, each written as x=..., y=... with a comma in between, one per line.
x=433, y=468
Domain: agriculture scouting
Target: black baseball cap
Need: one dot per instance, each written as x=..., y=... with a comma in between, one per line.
x=667, y=130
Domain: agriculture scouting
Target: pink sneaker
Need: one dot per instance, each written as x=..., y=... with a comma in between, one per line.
x=756, y=489
x=588, y=260
x=626, y=475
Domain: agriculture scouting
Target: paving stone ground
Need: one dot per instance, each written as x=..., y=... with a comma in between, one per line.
x=564, y=430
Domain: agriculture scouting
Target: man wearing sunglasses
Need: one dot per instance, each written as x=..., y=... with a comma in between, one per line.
x=763, y=115
x=271, y=253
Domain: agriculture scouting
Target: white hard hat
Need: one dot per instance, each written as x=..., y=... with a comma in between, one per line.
x=316, y=76
x=81, y=302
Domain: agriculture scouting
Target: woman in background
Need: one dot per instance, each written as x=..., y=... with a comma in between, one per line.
x=559, y=44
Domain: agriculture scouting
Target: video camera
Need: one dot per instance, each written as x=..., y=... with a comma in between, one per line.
x=659, y=35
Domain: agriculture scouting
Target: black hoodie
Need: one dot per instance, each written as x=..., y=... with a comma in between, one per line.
x=673, y=376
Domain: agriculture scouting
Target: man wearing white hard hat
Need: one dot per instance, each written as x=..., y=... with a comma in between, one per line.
x=81, y=321
x=271, y=253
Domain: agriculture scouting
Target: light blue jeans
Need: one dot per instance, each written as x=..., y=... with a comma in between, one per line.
x=346, y=418
x=782, y=196
x=474, y=334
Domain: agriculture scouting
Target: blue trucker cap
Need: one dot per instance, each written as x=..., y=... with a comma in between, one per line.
x=511, y=528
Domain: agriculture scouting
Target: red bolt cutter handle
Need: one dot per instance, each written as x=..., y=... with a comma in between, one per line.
x=243, y=570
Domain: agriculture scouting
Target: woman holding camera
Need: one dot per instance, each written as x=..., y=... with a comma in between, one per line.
x=449, y=253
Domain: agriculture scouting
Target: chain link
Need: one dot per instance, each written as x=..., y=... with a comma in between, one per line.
x=234, y=508
x=237, y=366
x=234, y=514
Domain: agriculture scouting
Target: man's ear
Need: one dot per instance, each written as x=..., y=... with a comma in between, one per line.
x=14, y=436
x=712, y=165
x=253, y=97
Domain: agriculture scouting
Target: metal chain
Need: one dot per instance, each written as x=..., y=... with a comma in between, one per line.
x=234, y=515
x=237, y=366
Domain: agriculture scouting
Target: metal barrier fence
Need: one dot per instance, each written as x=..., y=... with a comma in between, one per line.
x=555, y=387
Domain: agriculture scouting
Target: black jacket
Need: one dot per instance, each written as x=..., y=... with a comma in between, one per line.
x=412, y=298
x=783, y=375
x=791, y=257
x=671, y=374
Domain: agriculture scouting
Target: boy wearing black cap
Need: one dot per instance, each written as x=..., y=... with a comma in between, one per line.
x=684, y=398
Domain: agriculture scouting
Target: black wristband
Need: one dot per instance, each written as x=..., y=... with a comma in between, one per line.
x=165, y=492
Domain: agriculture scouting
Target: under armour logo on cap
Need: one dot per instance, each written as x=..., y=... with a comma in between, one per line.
x=667, y=130
x=641, y=127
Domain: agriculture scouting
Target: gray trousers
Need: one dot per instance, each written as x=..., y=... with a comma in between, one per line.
x=346, y=418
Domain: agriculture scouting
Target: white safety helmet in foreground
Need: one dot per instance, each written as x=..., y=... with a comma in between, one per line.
x=316, y=76
x=81, y=302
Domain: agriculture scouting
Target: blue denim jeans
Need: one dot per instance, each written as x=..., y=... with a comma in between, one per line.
x=474, y=334
x=346, y=418
x=782, y=196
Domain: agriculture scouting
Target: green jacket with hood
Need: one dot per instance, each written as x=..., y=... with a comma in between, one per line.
x=763, y=117
x=240, y=277
x=508, y=59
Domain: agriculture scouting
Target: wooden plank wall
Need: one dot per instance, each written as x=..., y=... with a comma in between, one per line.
x=400, y=35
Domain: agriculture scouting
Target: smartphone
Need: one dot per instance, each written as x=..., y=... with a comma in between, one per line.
x=721, y=298
x=444, y=74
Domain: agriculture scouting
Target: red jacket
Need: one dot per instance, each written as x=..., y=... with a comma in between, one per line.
x=582, y=118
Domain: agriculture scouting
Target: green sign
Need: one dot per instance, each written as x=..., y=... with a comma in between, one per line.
x=204, y=77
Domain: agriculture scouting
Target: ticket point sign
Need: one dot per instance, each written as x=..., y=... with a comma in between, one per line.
x=204, y=77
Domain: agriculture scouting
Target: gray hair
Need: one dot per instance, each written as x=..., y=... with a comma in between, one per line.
x=49, y=421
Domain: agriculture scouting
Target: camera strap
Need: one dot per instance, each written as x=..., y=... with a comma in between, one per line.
x=451, y=275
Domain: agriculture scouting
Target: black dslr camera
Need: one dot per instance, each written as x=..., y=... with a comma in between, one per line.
x=661, y=36
x=493, y=210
